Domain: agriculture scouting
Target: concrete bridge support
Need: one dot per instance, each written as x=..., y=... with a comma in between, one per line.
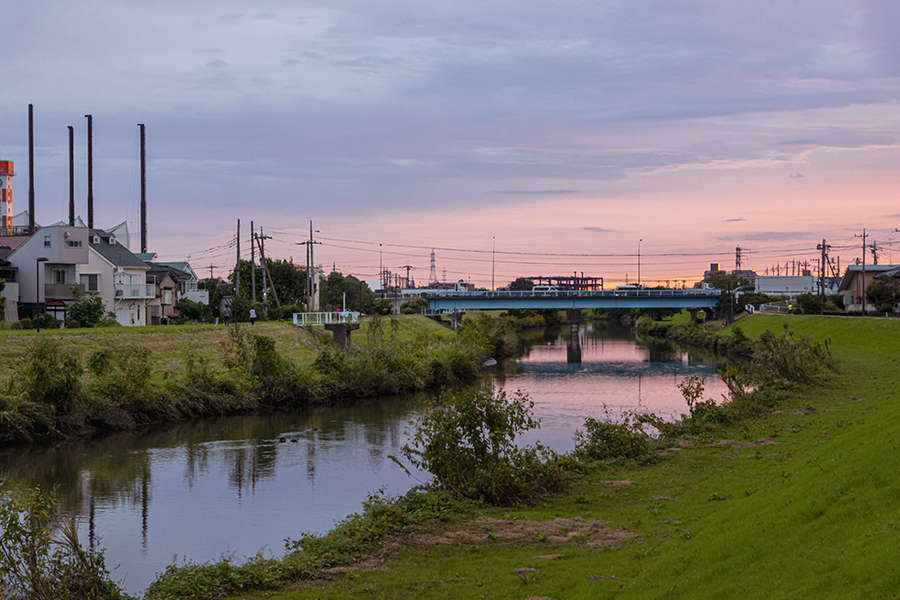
x=573, y=315
x=694, y=312
x=341, y=332
x=455, y=319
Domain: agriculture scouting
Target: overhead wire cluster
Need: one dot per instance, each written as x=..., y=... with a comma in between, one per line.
x=368, y=257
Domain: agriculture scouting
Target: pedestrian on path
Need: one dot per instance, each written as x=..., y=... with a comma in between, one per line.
x=253, y=316
x=216, y=316
x=226, y=314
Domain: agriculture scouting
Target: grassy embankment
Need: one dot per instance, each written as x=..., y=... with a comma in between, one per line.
x=60, y=382
x=802, y=503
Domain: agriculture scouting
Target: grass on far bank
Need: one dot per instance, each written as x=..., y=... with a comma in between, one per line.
x=802, y=503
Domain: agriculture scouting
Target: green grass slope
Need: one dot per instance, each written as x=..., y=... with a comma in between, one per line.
x=813, y=512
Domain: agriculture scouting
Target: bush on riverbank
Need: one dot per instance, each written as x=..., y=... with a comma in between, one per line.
x=466, y=440
x=51, y=393
x=41, y=557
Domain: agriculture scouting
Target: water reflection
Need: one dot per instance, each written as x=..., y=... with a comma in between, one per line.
x=200, y=489
x=203, y=488
x=601, y=370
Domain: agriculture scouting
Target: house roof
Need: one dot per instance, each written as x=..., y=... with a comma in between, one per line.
x=183, y=266
x=116, y=253
x=157, y=271
x=854, y=269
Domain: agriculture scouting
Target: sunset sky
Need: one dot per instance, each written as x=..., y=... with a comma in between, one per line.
x=559, y=133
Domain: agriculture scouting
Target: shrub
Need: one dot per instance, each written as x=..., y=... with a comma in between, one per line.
x=73, y=324
x=25, y=323
x=87, y=310
x=122, y=373
x=49, y=376
x=602, y=440
x=465, y=440
x=36, y=565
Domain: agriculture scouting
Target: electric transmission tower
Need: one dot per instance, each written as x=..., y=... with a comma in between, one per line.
x=432, y=274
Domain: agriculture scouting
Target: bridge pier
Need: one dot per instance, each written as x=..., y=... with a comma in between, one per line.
x=341, y=332
x=573, y=346
x=573, y=315
x=455, y=318
x=694, y=311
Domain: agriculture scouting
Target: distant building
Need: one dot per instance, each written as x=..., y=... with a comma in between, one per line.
x=787, y=285
x=854, y=283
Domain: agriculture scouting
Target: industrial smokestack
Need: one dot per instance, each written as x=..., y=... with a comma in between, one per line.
x=143, y=191
x=90, y=198
x=31, y=228
x=71, y=175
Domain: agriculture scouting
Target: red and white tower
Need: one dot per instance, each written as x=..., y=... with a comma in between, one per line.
x=6, y=213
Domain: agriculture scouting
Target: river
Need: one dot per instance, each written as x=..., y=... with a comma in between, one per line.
x=241, y=485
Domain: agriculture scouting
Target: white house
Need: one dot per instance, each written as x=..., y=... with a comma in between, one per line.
x=118, y=276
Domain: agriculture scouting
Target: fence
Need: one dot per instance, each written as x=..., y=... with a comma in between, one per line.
x=324, y=318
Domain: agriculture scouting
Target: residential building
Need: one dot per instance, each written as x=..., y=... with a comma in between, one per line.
x=118, y=276
x=47, y=266
x=854, y=283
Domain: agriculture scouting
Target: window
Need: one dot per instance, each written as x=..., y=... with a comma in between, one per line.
x=47, y=241
x=89, y=282
x=59, y=276
x=73, y=244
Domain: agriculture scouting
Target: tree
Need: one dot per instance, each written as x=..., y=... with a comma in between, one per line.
x=87, y=310
x=2, y=301
x=521, y=285
x=212, y=286
x=188, y=310
x=289, y=280
x=883, y=293
x=333, y=289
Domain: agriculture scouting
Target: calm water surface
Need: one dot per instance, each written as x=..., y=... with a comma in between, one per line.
x=198, y=490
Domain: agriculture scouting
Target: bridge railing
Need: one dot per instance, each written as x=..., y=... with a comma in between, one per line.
x=312, y=319
x=570, y=294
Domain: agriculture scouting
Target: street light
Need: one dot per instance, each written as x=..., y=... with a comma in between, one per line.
x=37, y=285
x=639, y=262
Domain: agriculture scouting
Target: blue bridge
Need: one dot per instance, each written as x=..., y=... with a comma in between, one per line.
x=448, y=301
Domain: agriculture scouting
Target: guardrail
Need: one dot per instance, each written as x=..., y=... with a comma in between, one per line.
x=324, y=318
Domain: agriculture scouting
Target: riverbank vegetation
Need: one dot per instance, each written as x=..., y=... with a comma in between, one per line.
x=74, y=382
x=796, y=502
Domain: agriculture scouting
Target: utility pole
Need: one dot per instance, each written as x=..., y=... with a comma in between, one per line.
x=863, y=293
x=875, y=252
x=252, y=263
x=493, y=254
x=262, y=254
x=211, y=267
x=824, y=248
x=237, y=268
x=408, y=269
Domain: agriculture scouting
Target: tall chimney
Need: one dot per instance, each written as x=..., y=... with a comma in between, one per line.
x=143, y=190
x=71, y=175
x=90, y=198
x=31, y=228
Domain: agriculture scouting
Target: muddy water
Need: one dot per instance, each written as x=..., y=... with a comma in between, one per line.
x=242, y=485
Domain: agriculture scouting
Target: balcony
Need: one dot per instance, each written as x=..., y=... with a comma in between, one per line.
x=135, y=291
x=62, y=291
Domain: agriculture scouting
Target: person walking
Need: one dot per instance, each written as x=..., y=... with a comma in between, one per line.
x=253, y=316
x=226, y=314
x=216, y=315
